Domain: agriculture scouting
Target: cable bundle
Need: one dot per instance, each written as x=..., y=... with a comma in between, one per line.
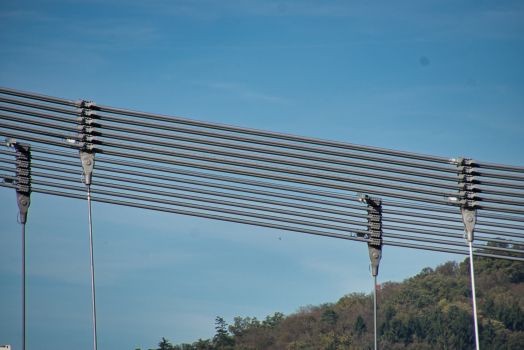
x=264, y=178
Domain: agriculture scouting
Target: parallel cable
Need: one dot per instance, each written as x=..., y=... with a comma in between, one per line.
x=284, y=178
x=263, y=216
x=213, y=142
x=230, y=128
x=265, y=224
x=287, y=212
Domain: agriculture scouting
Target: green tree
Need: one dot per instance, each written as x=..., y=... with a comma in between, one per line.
x=222, y=338
x=165, y=344
x=273, y=321
x=329, y=316
x=360, y=326
x=201, y=344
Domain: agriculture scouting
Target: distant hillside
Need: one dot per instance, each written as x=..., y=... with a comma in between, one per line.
x=432, y=310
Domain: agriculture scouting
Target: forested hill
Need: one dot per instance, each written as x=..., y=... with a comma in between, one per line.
x=432, y=310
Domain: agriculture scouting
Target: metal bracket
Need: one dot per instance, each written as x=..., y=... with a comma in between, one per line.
x=86, y=112
x=88, y=163
x=467, y=193
x=85, y=104
x=24, y=201
x=85, y=129
x=469, y=217
x=86, y=138
x=374, y=230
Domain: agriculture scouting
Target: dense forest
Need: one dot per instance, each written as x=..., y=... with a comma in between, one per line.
x=432, y=310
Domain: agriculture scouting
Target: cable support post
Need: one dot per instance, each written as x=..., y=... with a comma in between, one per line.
x=87, y=157
x=467, y=205
x=86, y=138
x=23, y=199
x=469, y=217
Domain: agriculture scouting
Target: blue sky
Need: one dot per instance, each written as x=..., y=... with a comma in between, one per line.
x=437, y=77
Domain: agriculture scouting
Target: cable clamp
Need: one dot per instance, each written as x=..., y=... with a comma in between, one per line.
x=84, y=129
x=85, y=104
x=23, y=172
x=86, y=146
x=375, y=255
x=23, y=164
x=460, y=161
x=86, y=138
x=375, y=217
x=466, y=170
x=22, y=156
x=85, y=121
x=88, y=164
x=86, y=113
x=375, y=225
x=24, y=180
x=375, y=233
x=467, y=178
x=468, y=187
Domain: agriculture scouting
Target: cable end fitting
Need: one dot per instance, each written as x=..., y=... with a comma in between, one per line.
x=469, y=217
x=88, y=163
x=23, y=200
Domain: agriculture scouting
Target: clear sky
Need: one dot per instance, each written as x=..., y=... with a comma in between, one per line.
x=438, y=77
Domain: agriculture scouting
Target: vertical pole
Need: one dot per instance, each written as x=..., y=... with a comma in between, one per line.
x=469, y=217
x=87, y=156
x=92, y=267
x=23, y=199
x=375, y=308
x=23, y=286
x=473, y=296
x=88, y=163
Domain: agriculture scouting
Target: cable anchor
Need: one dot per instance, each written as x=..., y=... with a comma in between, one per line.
x=23, y=179
x=374, y=230
x=467, y=193
x=374, y=245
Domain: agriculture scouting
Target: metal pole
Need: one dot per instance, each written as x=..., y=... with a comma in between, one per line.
x=23, y=286
x=473, y=296
x=375, y=308
x=92, y=267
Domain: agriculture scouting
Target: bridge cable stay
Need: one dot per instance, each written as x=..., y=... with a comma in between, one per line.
x=250, y=206
x=265, y=179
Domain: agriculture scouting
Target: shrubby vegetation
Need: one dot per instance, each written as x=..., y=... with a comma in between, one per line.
x=431, y=310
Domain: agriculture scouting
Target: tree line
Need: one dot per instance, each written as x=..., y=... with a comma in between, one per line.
x=432, y=310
